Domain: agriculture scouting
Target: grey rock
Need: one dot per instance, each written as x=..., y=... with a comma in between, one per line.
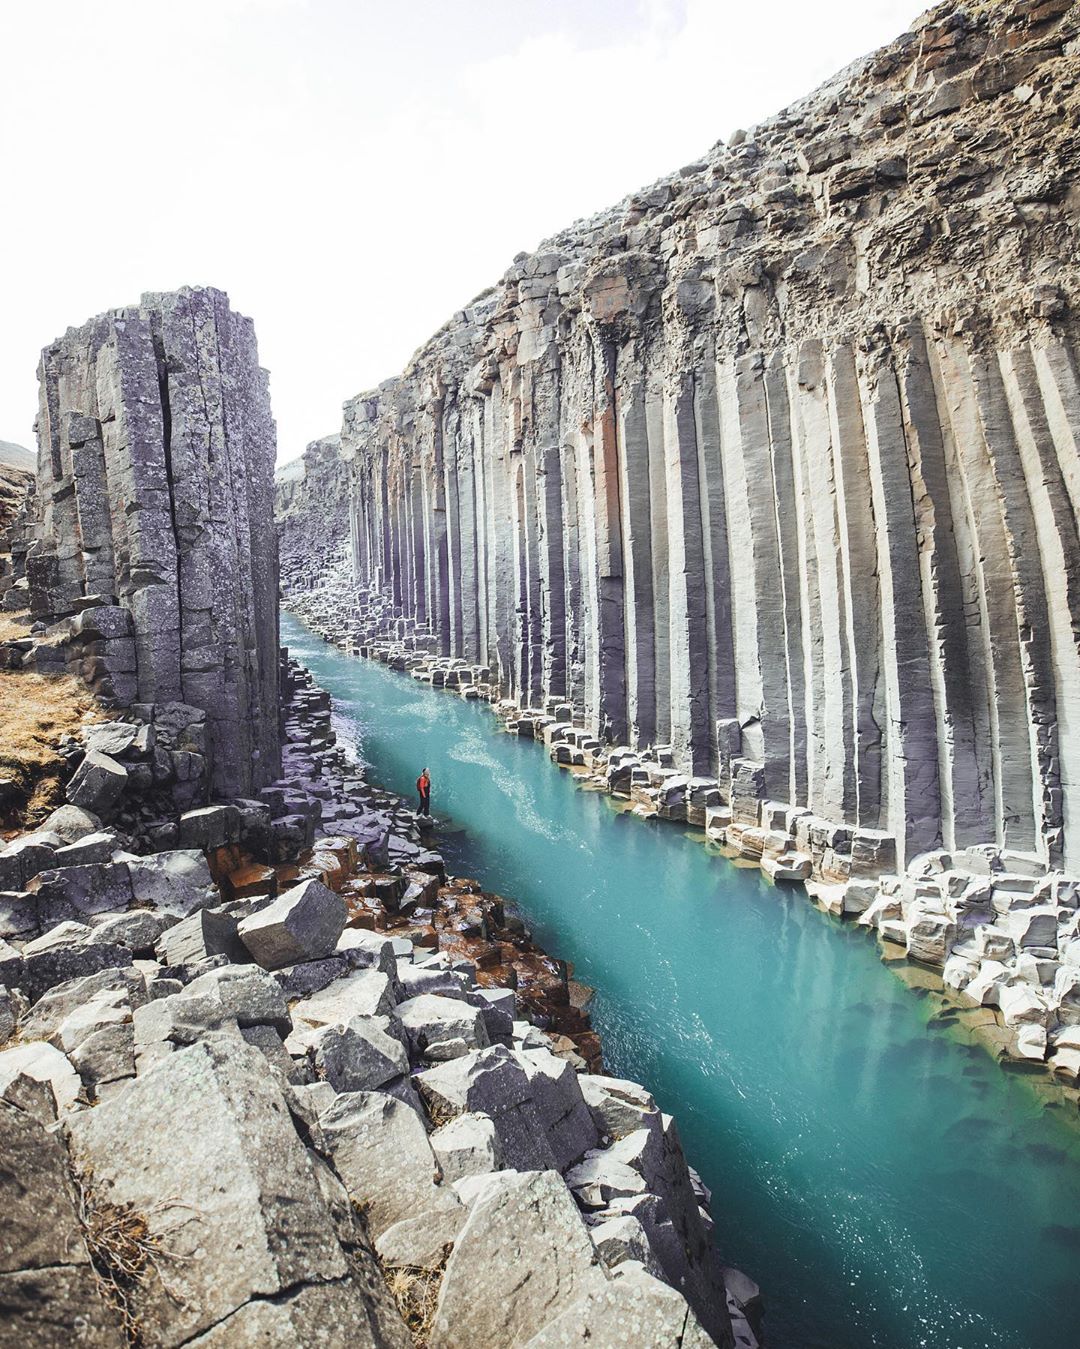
x=49, y=968
x=249, y=994
x=331, y=1315
x=72, y=823
x=44, y=1063
x=182, y=1018
x=429, y=1019
x=81, y=891
x=303, y=924
x=98, y=784
x=359, y=1056
x=363, y=993
x=176, y=882
x=528, y=1222
x=96, y=847
x=140, y=929
x=47, y=1288
x=532, y=1098
x=633, y=1308
x=467, y=1145
x=224, y=1183
x=380, y=1149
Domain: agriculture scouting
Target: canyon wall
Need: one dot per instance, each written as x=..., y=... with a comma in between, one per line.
x=778, y=461
x=155, y=472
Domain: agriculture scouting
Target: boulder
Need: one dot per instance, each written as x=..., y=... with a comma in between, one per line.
x=430, y=1019
x=531, y=1097
x=380, y=1149
x=205, y=933
x=72, y=823
x=359, y=1056
x=203, y=1147
x=98, y=784
x=139, y=930
x=43, y=1063
x=81, y=891
x=523, y=1258
x=248, y=994
x=634, y=1308
x=176, y=882
x=23, y=858
x=96, y=847
x=467, y=1145
x=333, y=1315
x=422, y=1242
x=47, y=969
x=617, y=1106
x=623, y=1238
x=48, y=1291
x=182, y=1019
x=364, y=993
x=303, y=924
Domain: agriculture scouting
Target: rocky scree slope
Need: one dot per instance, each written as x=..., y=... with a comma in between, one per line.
x=774, y=464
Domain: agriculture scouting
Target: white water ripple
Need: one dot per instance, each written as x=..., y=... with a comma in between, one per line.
x=471, y=750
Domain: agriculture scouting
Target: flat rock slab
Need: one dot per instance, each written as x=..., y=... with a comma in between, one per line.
x=203, y=1146
x=318, y=1316
x=523, y=1258
x=380, y=1150
x=633, y=1309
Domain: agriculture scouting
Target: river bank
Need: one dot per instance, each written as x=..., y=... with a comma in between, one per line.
x=860, y=1147
x=998, y=930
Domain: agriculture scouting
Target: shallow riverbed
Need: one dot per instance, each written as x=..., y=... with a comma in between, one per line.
x=881, y=1176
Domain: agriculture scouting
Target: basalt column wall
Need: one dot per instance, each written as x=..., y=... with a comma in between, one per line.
x=778, y=461
x=155, y=499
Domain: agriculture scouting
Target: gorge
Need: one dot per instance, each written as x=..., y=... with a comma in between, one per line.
x=722, y=562
x=861, y=1146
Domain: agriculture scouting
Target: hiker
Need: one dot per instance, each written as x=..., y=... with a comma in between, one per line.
x=423, y=786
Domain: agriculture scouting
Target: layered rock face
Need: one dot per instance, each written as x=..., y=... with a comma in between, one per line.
x=155, y=476
x=312, y=510
x=776, y=462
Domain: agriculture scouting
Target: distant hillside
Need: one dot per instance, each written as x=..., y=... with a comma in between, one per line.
x=17, y=456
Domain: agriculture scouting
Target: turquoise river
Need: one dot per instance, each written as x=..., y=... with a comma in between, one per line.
x=883, y=1179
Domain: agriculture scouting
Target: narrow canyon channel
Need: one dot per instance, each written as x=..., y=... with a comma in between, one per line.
x=871, y=1165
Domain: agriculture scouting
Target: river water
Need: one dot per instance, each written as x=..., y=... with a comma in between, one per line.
x=880, y=1176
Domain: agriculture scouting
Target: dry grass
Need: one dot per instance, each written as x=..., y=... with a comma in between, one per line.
x=439, y=1111
x=35, y=711
x=125, y=1254
x=416, y=1292
x=13, y=626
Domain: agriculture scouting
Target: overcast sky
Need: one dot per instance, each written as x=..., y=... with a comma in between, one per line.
x=353, y=171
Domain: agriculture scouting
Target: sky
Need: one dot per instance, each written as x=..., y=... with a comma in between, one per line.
x=352, y=172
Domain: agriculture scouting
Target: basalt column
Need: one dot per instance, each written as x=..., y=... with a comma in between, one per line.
x=155, y=490
x=776, y=464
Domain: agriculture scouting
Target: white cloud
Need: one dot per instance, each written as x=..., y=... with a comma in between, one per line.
x=352, y=171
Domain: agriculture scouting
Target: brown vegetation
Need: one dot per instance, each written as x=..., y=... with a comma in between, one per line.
x=416, y=1292
x=35, y=711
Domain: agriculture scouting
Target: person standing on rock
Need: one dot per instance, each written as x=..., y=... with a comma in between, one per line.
x=423, y=786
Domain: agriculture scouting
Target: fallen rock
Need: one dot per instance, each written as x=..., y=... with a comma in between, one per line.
x=467, y=1146
x=98, y=784
x=203, y=1148
x=43, y=1063
x=523, y=1258
x=303, y=924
